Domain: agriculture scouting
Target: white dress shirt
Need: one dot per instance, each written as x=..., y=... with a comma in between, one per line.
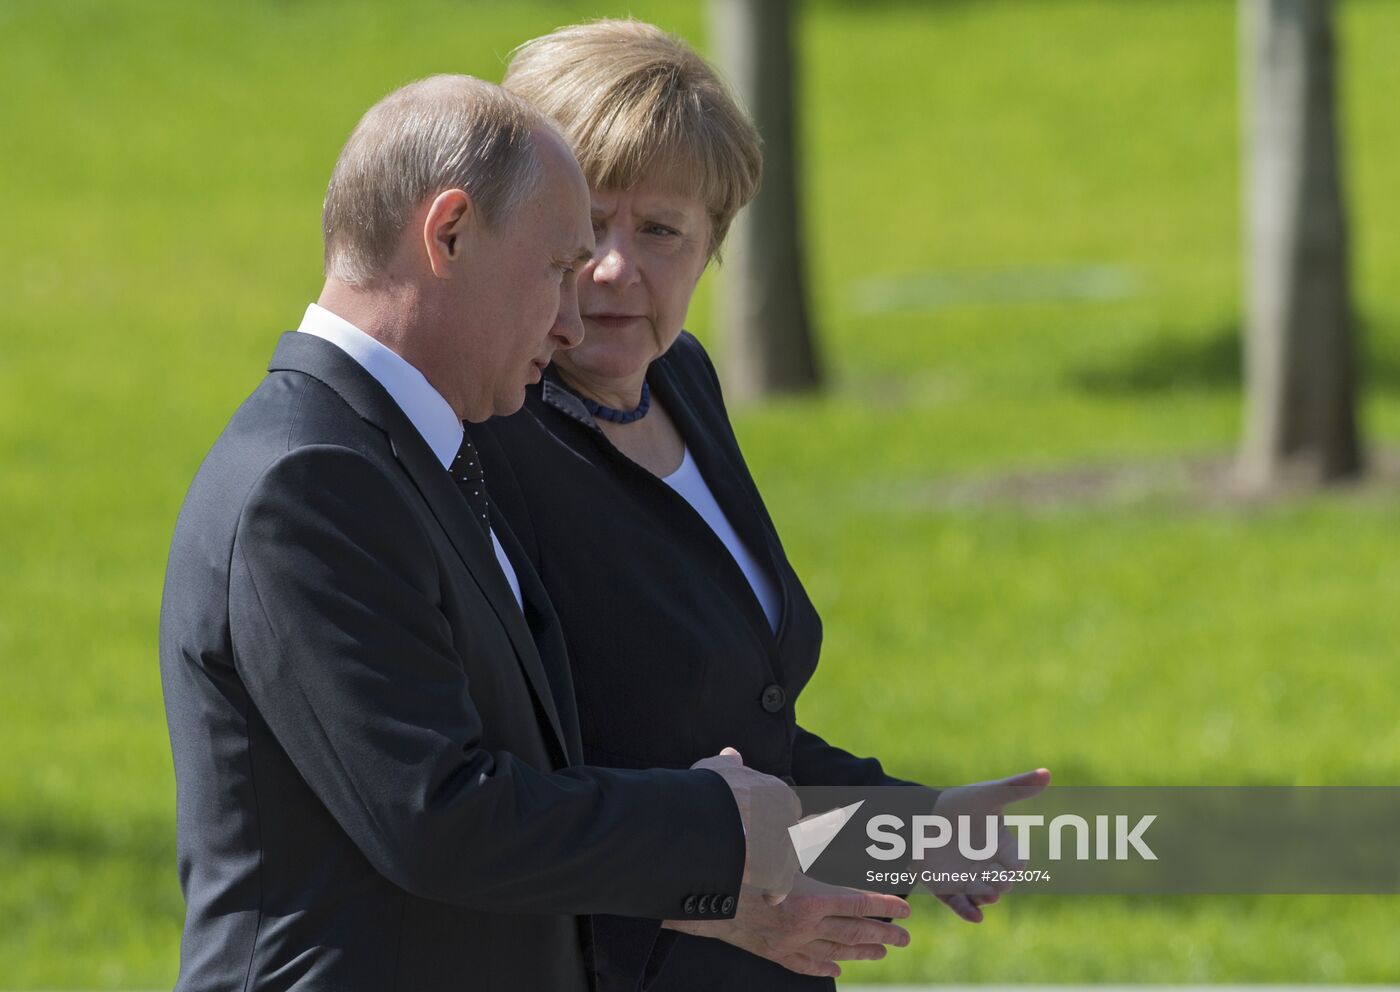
x=421, y=403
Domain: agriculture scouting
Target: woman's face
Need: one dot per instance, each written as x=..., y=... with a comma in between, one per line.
x=652, y=246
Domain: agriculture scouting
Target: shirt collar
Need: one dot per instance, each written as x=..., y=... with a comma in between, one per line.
x=416, y=397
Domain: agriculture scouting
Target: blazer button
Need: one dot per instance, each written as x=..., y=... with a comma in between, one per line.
x=689, y=906
x=727, y=907
x=773, y=698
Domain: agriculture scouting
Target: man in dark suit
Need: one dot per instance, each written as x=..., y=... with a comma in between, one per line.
x=376, y=749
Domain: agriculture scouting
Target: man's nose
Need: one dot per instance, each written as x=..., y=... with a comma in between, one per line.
x=568, y=325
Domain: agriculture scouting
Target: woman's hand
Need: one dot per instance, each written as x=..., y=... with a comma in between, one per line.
x=968, y=908
x=979, y=803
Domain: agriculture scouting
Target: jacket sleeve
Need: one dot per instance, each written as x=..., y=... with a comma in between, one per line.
x=339, y=639
x=815, y=762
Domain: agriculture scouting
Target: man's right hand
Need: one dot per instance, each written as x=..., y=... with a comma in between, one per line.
x=816, y=926
x=767, y=807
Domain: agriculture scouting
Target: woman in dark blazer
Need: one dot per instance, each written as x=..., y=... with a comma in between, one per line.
x=687, y=628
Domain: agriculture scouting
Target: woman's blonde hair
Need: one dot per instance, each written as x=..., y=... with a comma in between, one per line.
x=636, y=103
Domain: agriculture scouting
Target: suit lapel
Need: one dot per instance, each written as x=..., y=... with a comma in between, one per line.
x=721, y=474
x=475, y=550
x=548, y=638
x=325, y=362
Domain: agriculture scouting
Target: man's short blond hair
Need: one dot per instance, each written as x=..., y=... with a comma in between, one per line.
x=439, y=133
x=636, y=102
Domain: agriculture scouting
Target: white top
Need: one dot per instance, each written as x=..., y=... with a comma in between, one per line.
x=688, y=482
x=421, y=403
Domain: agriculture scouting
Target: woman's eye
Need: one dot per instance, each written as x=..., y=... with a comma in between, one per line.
x=660, y=229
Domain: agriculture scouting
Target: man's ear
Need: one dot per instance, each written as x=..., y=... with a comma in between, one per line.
x=445, y=228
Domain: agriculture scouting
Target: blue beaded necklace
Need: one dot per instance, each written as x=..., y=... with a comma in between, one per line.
x=620, y=416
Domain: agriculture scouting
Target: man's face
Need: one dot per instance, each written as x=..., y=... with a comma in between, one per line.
x=523, y=285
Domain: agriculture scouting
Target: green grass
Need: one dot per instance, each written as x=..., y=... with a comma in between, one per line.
x=161, y=179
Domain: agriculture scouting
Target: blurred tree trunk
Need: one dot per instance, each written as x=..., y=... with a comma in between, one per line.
x=1300, y=363
x=762, y=305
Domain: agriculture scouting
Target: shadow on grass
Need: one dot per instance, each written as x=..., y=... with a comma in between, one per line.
x=58, y=867
x=25, y=835
x=1179, y=363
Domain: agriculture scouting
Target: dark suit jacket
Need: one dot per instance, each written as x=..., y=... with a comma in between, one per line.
x=672, y=655
x=378, y=770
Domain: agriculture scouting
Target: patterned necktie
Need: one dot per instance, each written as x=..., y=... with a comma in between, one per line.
x=466, y=472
